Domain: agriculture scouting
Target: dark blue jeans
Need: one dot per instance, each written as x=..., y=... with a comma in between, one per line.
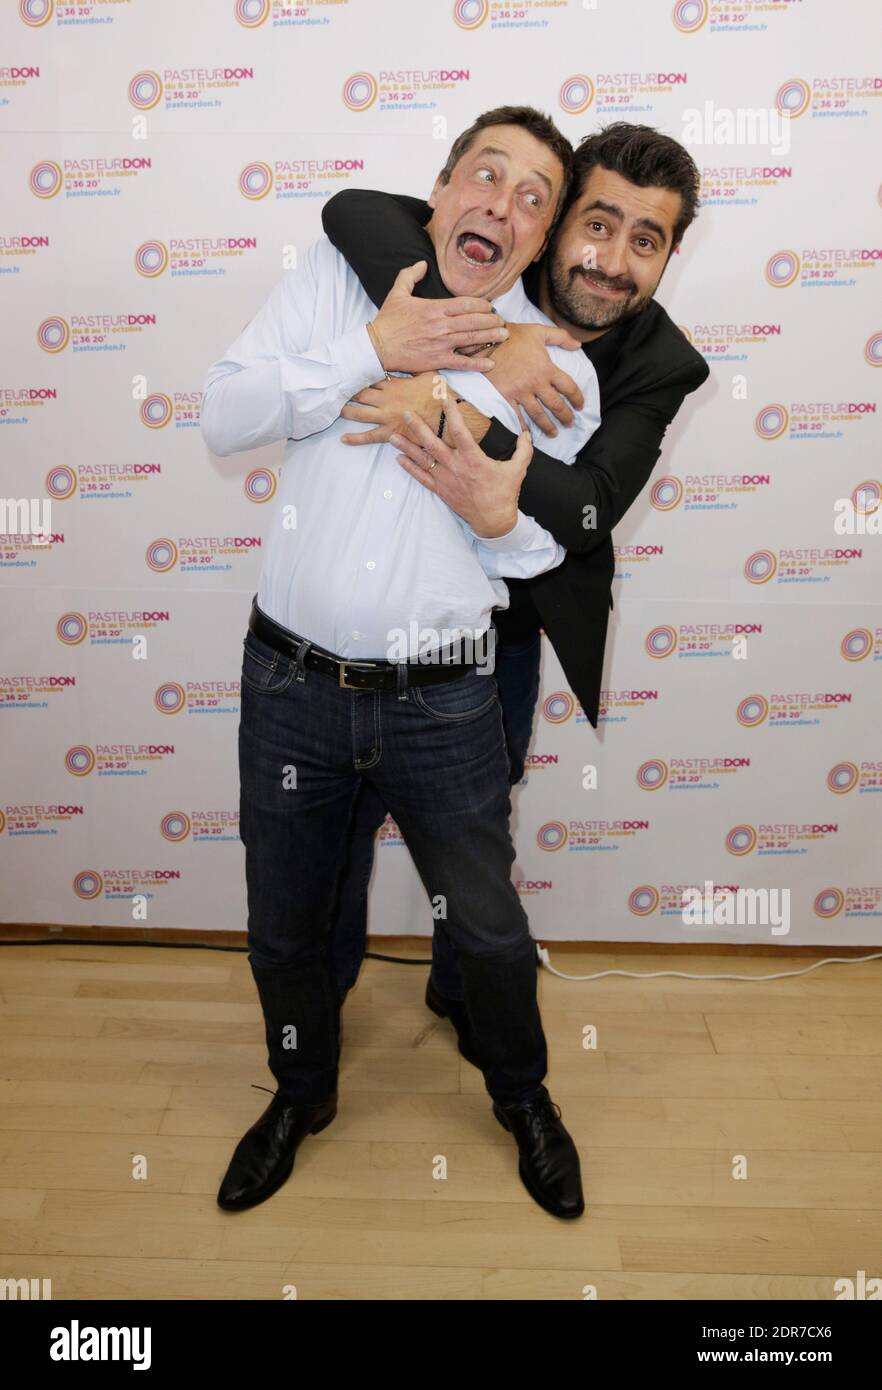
x=517, y=679
x=436, y=756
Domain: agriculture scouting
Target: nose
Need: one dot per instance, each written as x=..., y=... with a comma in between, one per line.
x=614, y=263
x=500, y=205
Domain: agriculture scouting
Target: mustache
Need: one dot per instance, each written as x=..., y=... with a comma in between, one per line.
x=603, y=279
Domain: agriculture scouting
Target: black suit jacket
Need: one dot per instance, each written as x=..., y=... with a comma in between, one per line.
x=645, y=368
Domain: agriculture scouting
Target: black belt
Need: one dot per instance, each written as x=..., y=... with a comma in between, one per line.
x=355, y=675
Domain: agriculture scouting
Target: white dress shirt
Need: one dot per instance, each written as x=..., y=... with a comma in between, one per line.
x=357, y=550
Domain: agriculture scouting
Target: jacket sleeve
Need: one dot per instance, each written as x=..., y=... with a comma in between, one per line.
x=611, y=469
x=381, y=233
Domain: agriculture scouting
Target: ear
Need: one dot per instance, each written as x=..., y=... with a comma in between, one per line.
x=436, y=189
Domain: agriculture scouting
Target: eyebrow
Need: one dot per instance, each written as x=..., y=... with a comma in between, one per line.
x=501, y=154
x=616, y=212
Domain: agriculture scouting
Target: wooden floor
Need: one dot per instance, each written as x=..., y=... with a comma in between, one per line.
x=112, y=1052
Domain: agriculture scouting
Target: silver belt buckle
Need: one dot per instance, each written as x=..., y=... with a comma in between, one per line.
x=359, y=666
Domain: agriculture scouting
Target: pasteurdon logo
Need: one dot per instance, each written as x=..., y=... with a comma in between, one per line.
x=741, y=839
x=162, y=555
x=360, y=91
x=782, y=268
x=576, y=93
x=666, y=494
x=652, y=774
x=170, y=698
x=792, y=97
x=145, y=90
x=88, y=884
x=690, y=15
x=35, y=13
x=752, y=711
x=256, y=180
x=79, y=760
x=470, y=14
x=843, y=778
x=829, y=902
x=857, y=644
x=760, y=567
x=45, y=179
x=61, y=482
x=260, y=485
x=558, y=707
x=53, y=334
x=175, y=826
x=660, y=641
x=552, y=835
x=772, y=421
x=643, y=900
x=151, y=259
x=156, y=410
x=251, y=13
x=866, y=497
x=71, y=629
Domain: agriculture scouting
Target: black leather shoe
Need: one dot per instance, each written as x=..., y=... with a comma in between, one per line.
x=549, y=1164
x=456, y=1011
x=264, y=1157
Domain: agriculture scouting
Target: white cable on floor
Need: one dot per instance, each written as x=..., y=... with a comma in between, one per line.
x=545, y=958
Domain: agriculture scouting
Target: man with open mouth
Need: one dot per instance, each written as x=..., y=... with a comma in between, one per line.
x=477, y=251
x=634, y=193
x=359, y=552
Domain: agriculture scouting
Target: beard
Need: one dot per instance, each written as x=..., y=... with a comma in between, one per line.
x=570, y=293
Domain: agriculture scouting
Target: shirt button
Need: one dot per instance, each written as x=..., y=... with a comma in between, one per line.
x=356, y=635
x=388, y=493
x=371, y=565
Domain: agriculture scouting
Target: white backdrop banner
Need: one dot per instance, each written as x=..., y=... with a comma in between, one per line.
x=163, y=160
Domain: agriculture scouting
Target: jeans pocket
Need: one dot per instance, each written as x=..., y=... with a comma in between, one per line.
x=455, y=701
x=263, y=668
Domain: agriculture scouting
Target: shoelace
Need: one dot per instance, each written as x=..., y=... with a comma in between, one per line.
x=546, y=1114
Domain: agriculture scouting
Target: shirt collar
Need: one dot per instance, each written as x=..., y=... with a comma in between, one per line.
x=514, y=304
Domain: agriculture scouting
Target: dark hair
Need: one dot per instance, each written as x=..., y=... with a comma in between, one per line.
x=538, y=125
x=644, y=156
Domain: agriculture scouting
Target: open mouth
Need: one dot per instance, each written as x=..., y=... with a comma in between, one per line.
x=601, y=286
x=477, y=250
